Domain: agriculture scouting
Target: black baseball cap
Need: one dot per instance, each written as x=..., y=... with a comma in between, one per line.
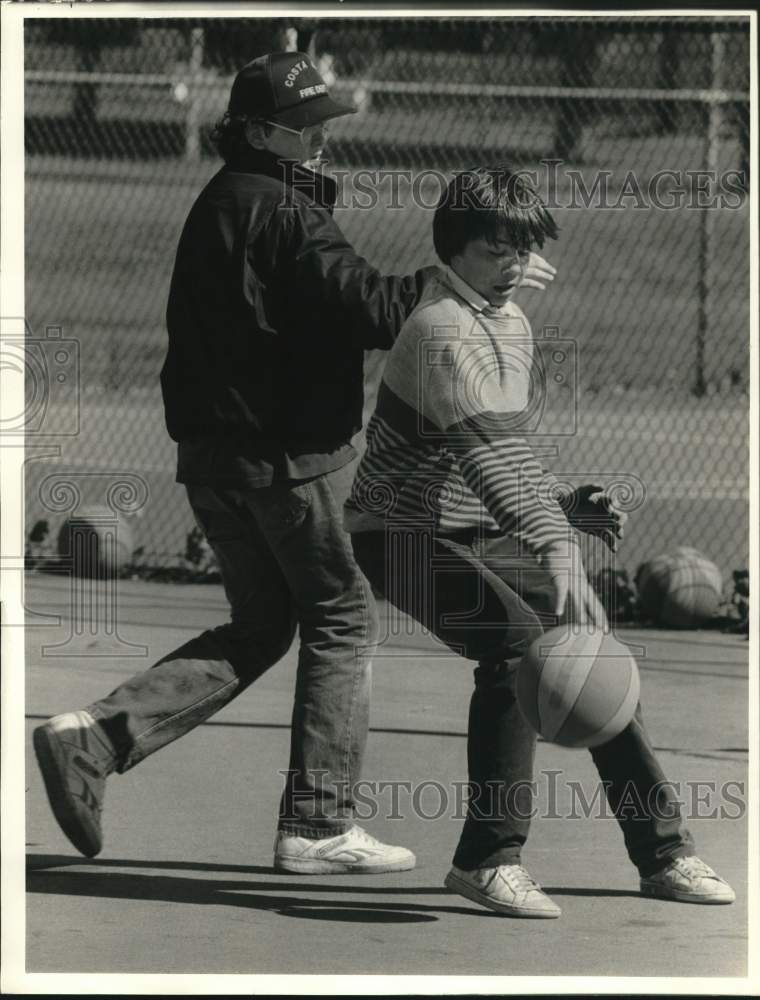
x=284, y=87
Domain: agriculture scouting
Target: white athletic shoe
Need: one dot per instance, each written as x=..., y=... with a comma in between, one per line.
x=75, y=762
x=688, y=880
x=507, y=889
x=353, y=852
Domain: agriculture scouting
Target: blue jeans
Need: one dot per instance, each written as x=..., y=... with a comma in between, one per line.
x=470, y=594
x=285, y=561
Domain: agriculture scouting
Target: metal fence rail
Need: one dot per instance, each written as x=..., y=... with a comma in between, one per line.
x=637, y=129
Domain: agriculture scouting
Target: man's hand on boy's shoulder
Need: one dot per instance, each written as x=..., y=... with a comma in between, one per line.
x=590, y=509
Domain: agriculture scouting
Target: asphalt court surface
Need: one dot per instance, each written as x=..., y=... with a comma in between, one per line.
x=185, y=884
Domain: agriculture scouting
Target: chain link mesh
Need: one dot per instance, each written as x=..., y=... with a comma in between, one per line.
x=618, y=117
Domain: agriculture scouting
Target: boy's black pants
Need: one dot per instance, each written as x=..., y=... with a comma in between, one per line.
x=487, y=602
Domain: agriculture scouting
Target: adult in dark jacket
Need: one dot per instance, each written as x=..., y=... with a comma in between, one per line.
x=270, y=310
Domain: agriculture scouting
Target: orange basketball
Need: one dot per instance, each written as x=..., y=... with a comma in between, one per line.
x=578, y=690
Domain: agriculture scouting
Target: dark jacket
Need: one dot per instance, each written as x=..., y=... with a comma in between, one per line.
x=270, y=312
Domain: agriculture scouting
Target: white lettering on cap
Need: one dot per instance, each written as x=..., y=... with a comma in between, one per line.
x=293, y=75
x=318, y=88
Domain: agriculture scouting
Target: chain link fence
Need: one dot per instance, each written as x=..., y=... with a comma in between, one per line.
x=637, y=130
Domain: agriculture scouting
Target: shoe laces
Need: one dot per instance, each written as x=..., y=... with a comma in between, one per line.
x=693, y=867
x=519, y=878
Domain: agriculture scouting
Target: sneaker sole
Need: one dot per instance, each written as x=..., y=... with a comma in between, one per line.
x=454, y=884
x=52, y=763
x=313, y=866
x=677, y=896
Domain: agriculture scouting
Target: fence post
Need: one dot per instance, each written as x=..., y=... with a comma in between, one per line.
x=576, y=56
x=706, y=213
x=193, y=116
x=668, y=54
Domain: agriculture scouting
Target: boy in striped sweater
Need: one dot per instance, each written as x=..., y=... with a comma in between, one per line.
x=454, y=521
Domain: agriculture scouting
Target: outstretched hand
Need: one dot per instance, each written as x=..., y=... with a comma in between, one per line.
x=592, y=510
x=532, y=272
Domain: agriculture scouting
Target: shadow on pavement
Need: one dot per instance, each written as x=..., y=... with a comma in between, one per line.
x=245, y=894
x=250, y=894
x=285, y=880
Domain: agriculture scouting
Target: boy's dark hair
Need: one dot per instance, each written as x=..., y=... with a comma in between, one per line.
x=495, y=202
x=229, y=135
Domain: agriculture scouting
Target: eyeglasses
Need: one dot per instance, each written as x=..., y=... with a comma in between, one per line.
x=519, y=257
x=295, y=131
x=323, y=126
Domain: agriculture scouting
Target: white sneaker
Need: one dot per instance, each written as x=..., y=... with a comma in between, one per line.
x=507, y=889
x=355, y=851
x=75, y=762
x=688, y=880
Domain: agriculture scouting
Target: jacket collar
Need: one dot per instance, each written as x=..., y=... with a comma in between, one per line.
x=318, y=187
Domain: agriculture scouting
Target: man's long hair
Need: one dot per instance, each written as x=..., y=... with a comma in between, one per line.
x=228, y=135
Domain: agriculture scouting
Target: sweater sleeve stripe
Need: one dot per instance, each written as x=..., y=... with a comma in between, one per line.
x=506, y=477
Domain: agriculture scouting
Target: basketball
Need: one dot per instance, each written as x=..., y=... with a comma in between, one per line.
x=578, y=690
x=680, y=589
x=96, y=541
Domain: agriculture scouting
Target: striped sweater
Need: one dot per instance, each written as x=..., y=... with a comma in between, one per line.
x=447, y=446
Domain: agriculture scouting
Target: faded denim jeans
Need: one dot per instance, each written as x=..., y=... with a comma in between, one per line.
x=285, y=561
